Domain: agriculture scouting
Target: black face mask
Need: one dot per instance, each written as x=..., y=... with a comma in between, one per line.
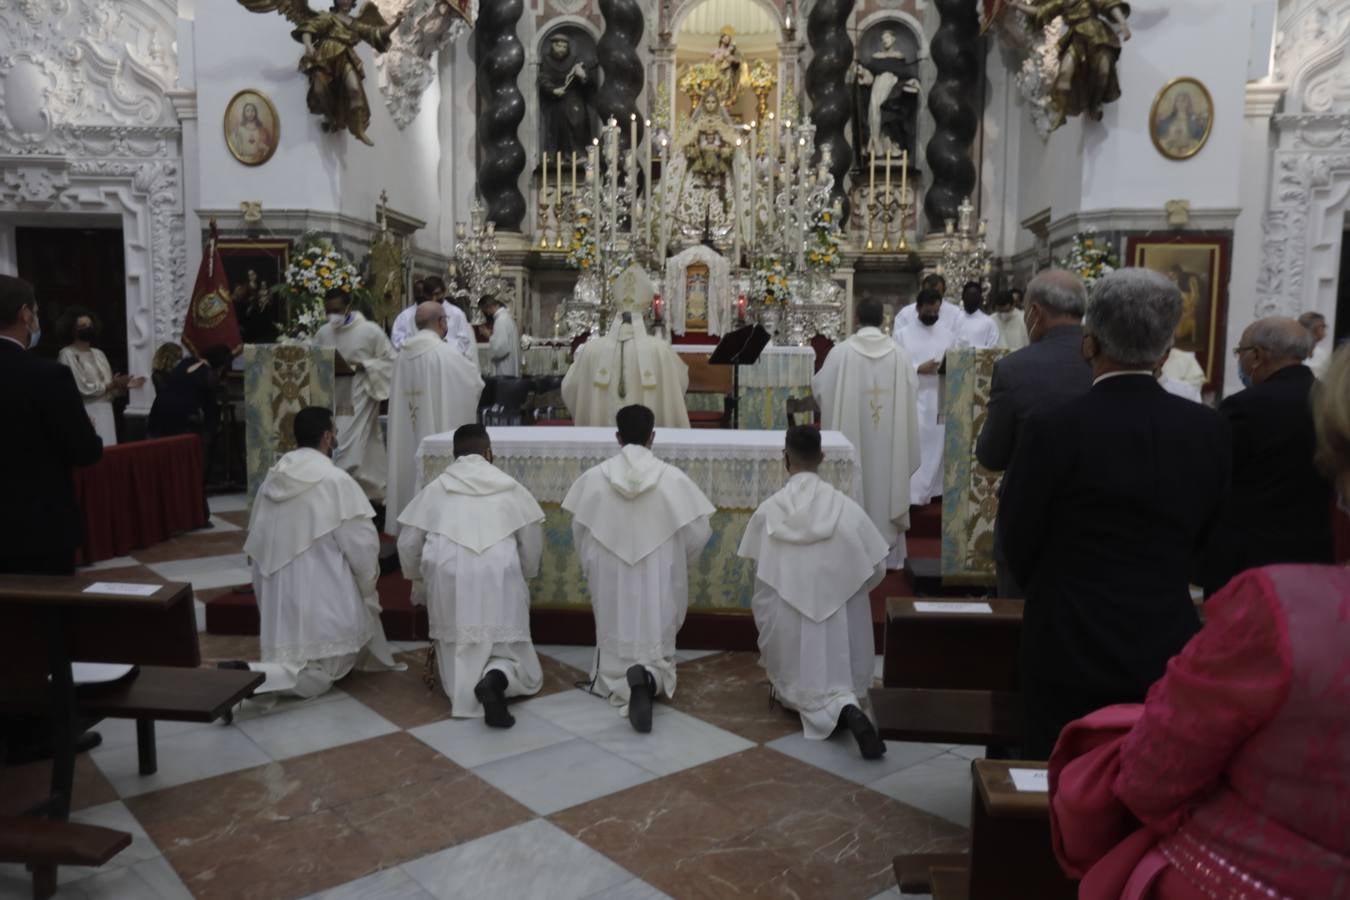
x=85, y=334
x=971, y=303
x=929, y=320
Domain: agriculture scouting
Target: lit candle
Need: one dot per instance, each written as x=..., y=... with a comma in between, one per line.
x=740, y=308
x=887, y=193
x=647, y=166
x=574, y=174
x=656, y=307
x=774, y=142
x=736, y=208
x=557, y=181
x=632, y=132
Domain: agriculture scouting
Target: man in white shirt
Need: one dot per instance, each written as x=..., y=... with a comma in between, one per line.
x=469, y=542
x=504, y=345
x=974, y=327
x=457, y=330
x=947, y=312
x=1012, y=325
x=926, y=341
x=817, y=555
x=637, y=524
x=1320, y=361
x=315, y=557
x=435, y=390
x=868, y=390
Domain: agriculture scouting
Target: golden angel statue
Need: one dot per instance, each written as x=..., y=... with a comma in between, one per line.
x=330, y=59
x=1088, y=51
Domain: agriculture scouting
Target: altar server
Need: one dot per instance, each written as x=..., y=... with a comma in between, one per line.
x=1012, y=326
x=457, y=332
x=626, y=366
x=364, y=346
x=974, y=327
x=470, y=540
x=315, y=557
x=504, y=345
x=436, y=389
x=637, y=524
x=868, y=390
x=926, y=341
x=1182, y=366
x=817, y=555
x=948, y=312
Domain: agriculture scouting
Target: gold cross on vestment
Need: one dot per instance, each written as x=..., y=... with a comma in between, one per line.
x=874, y=400
x=412, y=406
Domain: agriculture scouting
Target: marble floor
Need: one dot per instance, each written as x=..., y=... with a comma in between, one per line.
x=373, y=791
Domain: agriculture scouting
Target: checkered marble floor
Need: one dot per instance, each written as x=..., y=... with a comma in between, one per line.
x=373, y=791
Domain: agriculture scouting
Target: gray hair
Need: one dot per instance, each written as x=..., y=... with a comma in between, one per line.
x=1311, y=320
x=1058, y=290
x=1280, y=338
x=1133, y=314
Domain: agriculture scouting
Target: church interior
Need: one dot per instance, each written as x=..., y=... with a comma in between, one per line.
x=688, y=205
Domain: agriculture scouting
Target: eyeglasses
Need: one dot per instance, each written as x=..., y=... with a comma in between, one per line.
x=1241, y=349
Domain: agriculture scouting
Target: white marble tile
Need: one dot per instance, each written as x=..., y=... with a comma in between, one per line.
x=894, y=894
x=199, y=611
x=388, y=884
x=190, y=756
x=878, y=666
x=228, y=503
x=578, y=711
x=207, y=572
x=220, y=526
x=563, y=775
x=839, y=756
x=967, y=751
x=577, y=657
x=314, y=727
x=687, y=656
x=148, y=879
x=470, y=743
x=677, y=741
x=117, y=562
x=533, y=860
x=637, y=889
x=940, y=786
x=122, y=732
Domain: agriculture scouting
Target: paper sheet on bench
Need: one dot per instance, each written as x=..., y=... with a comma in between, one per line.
x=1035, y=780
x=122, y=589
x=921, y=606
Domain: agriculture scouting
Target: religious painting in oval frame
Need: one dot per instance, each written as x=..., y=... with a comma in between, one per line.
x=252, y=127
x=1182, y=118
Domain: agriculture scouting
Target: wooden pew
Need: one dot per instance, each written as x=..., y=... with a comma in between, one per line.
x=44, y=845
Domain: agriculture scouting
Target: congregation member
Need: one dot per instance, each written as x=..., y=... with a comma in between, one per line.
x=975, y=328
x=47, y=435
x=623, y=368
x=435, y=390
x=926, y=342
x=470, y=541
x=637, y=524
x=368, y=352
x=187, y=397
x=817, y=555
x=1012, y=326
x=868, y=390
x=1018, y=298
x=504, y=344
x=1104, y=508
x=1230, y=780
x=948, y=313
x=1048, y=372
x=1320, y=360
x=315, y=557
x=93, y=375
x=1277, y=511
x=1182, y=366
x=458, y=332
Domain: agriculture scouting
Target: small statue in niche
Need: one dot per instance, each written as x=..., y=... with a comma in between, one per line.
x=330, y=60
x=892, y=104
x=709, y=143
x=566, y=84
x=1088, y=51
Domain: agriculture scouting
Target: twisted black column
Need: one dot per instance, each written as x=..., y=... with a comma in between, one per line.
x=501, y=107
x=624, y=75
x=827, y=30
x=952, y=101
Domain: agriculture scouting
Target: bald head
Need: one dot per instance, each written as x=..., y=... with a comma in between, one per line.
x=429, y=316
x=1271, y=344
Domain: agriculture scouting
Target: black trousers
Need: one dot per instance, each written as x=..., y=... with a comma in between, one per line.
x=1049, y=707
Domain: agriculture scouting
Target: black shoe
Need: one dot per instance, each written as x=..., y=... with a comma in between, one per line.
x=491, y=692
x=641, y=692
x=869, y=742
x=87, y=741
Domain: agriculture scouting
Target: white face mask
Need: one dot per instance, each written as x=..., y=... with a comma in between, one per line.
x=1006, y=316
x=337, y=320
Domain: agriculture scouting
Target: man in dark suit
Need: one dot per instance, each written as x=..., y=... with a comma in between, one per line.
x=1279, y=508
x=47, y=434
x=1049, y=372
x=1104, y=509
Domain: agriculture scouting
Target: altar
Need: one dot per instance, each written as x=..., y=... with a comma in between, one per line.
x=737, y=470
x=778, y=374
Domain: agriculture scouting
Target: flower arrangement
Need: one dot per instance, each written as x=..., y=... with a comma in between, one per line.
x=581, y=253
x=822, y=247
x=316, y=268
x=769, y=286
x=1090, y=258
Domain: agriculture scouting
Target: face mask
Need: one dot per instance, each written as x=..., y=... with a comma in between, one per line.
x=1245, y=377
x=971, y=304
x=35, y=335
x=1005, y=316
x=85, y=334
x=337, y=320
x=929, y=320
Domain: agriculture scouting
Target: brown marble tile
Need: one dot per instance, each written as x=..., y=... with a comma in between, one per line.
x=401, y=697
x=23, y=787
x=193, y=545
x=731, y=691
x=235, y=518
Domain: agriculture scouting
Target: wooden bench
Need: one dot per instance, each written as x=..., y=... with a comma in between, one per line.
x=43, y=845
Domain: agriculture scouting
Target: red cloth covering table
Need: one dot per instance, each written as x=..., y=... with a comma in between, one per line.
x=140, y=494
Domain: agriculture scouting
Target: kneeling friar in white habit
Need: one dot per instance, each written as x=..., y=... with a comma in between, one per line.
x=367, y=350
x=867, y=389
x=315, y=557
x=626, y=367
x=637, y=523
x=436, y=390
x=470, y=540
x=817, y=555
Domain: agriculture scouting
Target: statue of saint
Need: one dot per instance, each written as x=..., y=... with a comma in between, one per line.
x=893, y=102
x=566, y=84
x=709, y=142
x=727, y=59
x=1088, y=51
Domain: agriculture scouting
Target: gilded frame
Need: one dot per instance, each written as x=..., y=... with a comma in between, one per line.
x=1155, y=117
x=229, y=116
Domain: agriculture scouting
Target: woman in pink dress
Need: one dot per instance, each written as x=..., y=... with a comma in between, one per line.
x=1232, y=780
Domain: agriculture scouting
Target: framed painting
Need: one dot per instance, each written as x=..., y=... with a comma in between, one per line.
x=1198, y=265
x=252, y=269
x=252, y=127
x=1181, y=119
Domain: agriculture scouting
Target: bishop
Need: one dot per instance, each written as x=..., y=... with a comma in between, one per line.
x=626, y=367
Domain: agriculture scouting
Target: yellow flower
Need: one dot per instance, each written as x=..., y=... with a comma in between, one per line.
x=825, y=216
x=328, y=282
x=305, y=263
x=346, y=288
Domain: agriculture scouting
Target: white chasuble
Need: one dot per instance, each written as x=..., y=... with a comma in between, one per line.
x=459, y=334
x=360, y=450
x=436, y=390
x=624, y=367
x=817, y=555
x=924, y=344
x=867, y=389
x=504, y=345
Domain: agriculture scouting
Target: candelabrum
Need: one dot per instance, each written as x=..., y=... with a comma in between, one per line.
x=474, y=270
x=965, y=255
x=887, y=206
x=557, y=204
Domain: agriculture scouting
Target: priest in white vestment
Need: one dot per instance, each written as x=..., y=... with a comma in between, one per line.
x=1012, y=326
x=975, y=328
x=1181, y=365
x=926, y=341
x=458, y=332
x=638, y=523
x=623, y=368
x=504, y=345
x=867, y=389
x=435, y=390
x=817, y=556
x=367, y=350
x=315, y=558
x=470, y=541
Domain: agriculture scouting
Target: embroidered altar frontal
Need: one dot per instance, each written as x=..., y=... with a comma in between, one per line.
x=736, y=470
x=969, y=490
x=279, y=381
